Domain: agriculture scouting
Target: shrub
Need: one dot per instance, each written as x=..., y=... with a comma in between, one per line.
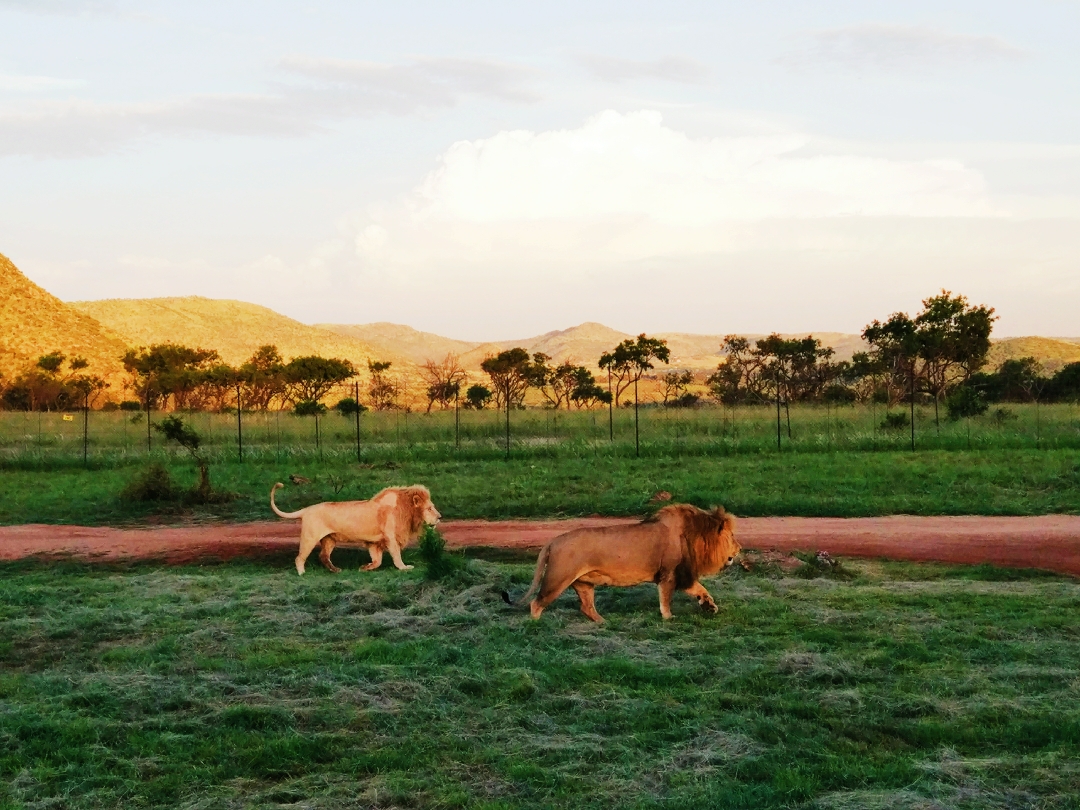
x=965, y=402
x=152, y=484
x=438, y=563
x=349, y=407
x=1003, y=415
x=309, y=407
x=895, y=421
x=131, y=405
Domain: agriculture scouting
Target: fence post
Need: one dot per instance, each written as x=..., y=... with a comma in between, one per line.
x=637, y=439
x=912, y=406
x=239, y=425
x=610, y=406
x=508, y=422
x=148, y=418
x=457, y=424
x=356, y=392
x=85, y=427
x=778, y=410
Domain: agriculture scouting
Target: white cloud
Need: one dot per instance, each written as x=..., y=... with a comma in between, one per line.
x=888, y=46
x=624, y=189
x=669, y=68
x=345, y=89
x=12, y=83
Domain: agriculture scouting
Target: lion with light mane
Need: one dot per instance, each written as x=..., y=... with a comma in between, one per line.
x=673, y=548
x=390, y=521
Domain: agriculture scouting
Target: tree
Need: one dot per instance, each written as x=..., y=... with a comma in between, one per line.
x=477, y=397
x=894, y=348
x=585, y=392
x=510, y=372
x=1065, y=384
x=632, y=358
x=674, y=385
x=558, y=384
x=174, y=429
x=168, y=372
x=383, y=390
x=45, y=387
x=953, y=341
x=444, y=380
x=312, y=377
x=1021, y=379
x=263, y=378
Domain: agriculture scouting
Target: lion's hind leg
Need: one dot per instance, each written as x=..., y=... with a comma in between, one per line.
x=550, y=589
x=587, y=594
x=326, y=548
x=309, y=538
x=376, y=558
x=704, y=598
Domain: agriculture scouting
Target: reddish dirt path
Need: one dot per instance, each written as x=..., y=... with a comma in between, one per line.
x=1050, y=542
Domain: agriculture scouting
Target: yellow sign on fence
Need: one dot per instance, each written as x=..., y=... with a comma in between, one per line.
x=68, y=417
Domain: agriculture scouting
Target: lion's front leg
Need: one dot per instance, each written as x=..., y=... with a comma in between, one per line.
x=395, y=555
x=666, y=586
x=704, y=598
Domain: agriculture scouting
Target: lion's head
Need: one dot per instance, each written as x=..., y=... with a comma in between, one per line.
x=416, y=503
x=709, y=537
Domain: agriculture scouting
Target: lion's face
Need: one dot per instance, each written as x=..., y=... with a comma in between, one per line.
x=424, y=505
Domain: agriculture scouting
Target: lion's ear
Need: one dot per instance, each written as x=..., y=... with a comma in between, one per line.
x=417, y=500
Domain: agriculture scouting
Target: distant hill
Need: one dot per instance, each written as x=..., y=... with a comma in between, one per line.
x=392, y=340
x=235, y=329
x=1053, y=353
x=33, y=323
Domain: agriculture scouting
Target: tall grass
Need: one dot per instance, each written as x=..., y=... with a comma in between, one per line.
x=40, y=440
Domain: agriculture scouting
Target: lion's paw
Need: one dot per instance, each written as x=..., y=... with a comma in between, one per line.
x=710, y=607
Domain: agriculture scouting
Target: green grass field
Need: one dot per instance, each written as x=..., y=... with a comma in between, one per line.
x=846, y=484
x=839, y=462
x=243, y=685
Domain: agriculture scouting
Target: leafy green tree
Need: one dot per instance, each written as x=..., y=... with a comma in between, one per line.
x=585, y=392
x=309, y=407
x=511, y=373
x=349, y=407
x=263, y=378
x=628, y=361
x=174, y=429
x=477, y=397
x=312, y=377
x=169, y=373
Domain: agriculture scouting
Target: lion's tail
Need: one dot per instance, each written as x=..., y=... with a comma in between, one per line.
x=541, y=566
x=290, y=515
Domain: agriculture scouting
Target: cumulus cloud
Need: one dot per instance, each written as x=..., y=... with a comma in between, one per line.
x=325, y=90
x=887, y=46
x=669, y=68
x=625, y=188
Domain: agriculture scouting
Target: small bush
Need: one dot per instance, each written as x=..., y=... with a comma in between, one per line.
x=152, y=484
x=1003, y=415
x=130, y=405
x=895, y=421
x=309, y=407
x=966, y=402
x=438, y=563
x=349, y=407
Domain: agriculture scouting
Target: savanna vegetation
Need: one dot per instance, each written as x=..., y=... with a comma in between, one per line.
x=867, y=685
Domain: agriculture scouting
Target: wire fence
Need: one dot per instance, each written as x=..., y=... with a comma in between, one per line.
x=120, y=437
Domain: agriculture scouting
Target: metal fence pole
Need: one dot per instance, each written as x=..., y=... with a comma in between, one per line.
x=637, y=438
x=239, y=425
x=148, y=419
x=913, y=406
x=507, y=421
x=457, y=421
x=356, y=392
x=85, y=428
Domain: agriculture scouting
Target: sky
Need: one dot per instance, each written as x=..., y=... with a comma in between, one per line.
x=491, y=170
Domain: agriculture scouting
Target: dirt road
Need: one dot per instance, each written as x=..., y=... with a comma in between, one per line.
x=1050, y=542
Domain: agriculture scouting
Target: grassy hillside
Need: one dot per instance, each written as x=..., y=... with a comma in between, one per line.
x=33, y=323
x=392, y=340
x=236, y=329
x=1051, y=352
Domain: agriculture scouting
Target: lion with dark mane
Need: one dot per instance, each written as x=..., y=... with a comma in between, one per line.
x=388, y=522
x=675, y=547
